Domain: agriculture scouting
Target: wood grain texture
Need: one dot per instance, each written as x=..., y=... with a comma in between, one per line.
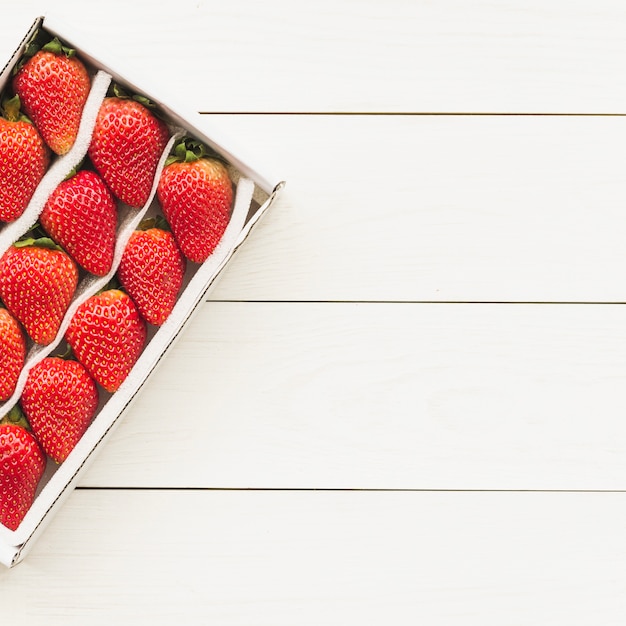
x=381, y=396
x=351, y=55
x=429, y=208
x=307, y=558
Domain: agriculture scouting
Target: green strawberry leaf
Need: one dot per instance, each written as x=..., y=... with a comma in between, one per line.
x=35, y=232
x=24, y=243
x=41, y=41
x=113, y=283
x=162, y=223
x=56, y=47
x=116, y=91
x=15, y=416
x=143, y=100
x=41, y=242
x=147, y=223
x=11, y=110
x=188, y=150
x=154, y=222
x=33, y=46
x=75, y=169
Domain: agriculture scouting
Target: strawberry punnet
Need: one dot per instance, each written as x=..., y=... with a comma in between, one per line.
x=53, y=86
x=37, y=284
x=22, y=464
x=107, y=334
x=12, y=353
x=59, y=401
x=24, y=159
x=196, y=195
x=81, y=216
x=151, y=271
x=127, y=143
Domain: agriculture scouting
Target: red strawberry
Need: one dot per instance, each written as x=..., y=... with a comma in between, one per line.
x=107, y=335
x=81, y=216
x=196, y=196
x=37, y=283
x=24, y=159
x=59, y=401
x=22, y=464
x=12, y=353
x=127, y=143
x=53, y=86
x=151, y=271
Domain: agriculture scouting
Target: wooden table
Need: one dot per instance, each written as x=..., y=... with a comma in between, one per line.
x=405, y=402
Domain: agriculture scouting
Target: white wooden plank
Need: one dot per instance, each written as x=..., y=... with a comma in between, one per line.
x=273, y=558
x=396, y=55
x=437, y=208
x=382, y=396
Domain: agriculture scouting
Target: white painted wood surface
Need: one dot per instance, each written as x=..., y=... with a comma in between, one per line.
x=284, y=558
x=444, y=208
x=404, y=401
x=365, y=55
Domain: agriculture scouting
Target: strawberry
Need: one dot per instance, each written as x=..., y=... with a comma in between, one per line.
x=196, y=194
x=127, y=143
x=37, y=284
x=107, y=335
x=12, y=353
x=24, y=159
x=81, y=216
x=59, y=401
x=53, y=86
x=151, y=271
x=22, y=464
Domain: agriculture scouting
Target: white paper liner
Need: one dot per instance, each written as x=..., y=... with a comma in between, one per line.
x=61, y=166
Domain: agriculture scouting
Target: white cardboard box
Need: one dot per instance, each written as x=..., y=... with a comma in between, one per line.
x=255, y=191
